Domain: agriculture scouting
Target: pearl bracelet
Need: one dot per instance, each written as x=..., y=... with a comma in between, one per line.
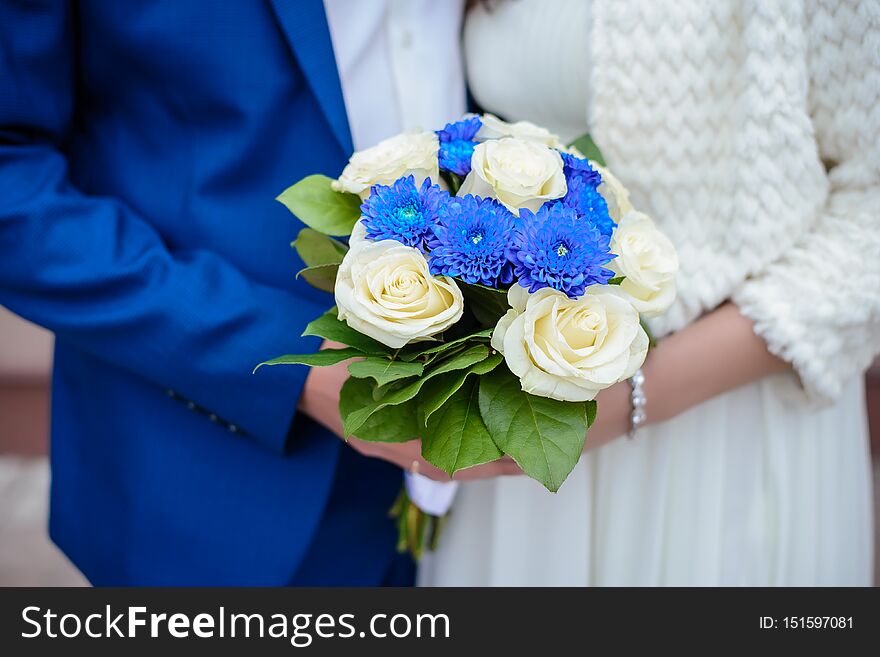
x=638, y=416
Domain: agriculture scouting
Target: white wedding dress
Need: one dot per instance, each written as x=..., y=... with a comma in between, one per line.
x=746, y=489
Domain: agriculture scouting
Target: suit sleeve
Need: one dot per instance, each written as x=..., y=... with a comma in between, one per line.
x=819, y=306
x=97, y=274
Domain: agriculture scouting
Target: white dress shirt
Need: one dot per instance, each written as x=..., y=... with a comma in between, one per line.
x=399, y=64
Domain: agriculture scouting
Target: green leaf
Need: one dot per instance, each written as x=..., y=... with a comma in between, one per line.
x=453, y=181
x=354, y=420
x=392, y=424
x=456, y=437
x=487, y=304
x=318, y=359
x=322, y=277
x=439, y=368
x=592, y=409
x=316, y=204
x=544, y=436
x=617, y=280
x=384, y=370
x=329, y=327
x=652, y=342
x=318, y=249
x=587, y=146
x=415, y=350
x=436, y=391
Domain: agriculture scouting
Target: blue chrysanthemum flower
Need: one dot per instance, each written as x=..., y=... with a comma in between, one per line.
x=470, y=241
x=556, y=248
x=573, y=166
x=457, y=145
x=402, y=212
x=586, y=200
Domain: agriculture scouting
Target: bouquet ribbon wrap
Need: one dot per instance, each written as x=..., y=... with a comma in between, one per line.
x=433, y=497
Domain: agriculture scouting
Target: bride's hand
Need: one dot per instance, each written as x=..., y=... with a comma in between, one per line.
x=320, y=401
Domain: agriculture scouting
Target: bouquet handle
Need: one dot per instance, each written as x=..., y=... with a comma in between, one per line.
x=420, y=512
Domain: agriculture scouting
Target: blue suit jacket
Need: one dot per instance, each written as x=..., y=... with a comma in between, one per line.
x=141, y=147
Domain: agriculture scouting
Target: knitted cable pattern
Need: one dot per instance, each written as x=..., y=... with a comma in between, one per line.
x=757, y=127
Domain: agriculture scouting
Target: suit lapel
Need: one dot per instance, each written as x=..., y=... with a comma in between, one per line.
x=305, y=28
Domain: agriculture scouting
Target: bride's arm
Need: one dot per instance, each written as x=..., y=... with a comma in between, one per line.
x=712, y=356
x=818, y=305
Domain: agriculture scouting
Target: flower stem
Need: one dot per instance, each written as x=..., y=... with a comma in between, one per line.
x=416, y=530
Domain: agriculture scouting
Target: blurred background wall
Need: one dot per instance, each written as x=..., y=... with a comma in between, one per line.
x=25, y=364
x=27, y=557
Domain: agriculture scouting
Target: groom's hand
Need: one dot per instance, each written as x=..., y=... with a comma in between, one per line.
x=320, y=401
x=408, y=456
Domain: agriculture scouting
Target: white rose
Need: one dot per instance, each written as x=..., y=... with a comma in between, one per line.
x=519, y=173
x=614, y=193
x=358, y=235
x=384, y=290
x=409, y=153
x=495, y=128
x=570, y=349
x=648, y=260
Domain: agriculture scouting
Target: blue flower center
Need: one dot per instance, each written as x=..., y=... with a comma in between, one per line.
x=562, y=249
x=469, y=241
x=461, y=148
x=408, y=214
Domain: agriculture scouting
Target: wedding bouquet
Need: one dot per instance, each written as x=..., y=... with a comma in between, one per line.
x=493, y=283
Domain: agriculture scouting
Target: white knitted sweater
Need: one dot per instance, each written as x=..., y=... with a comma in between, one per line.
x=750, y=130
